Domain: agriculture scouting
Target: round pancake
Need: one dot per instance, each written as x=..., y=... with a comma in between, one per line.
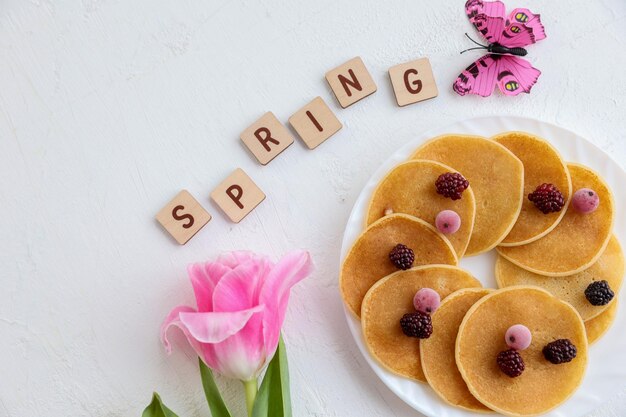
x=392, y=297
x=437, y=352
x=368, y=259
x=577, y=241
x=410, y=188
x=543, y=385
x=571, y=288
x=597, y=326
x=542, y=164
x=496, y=177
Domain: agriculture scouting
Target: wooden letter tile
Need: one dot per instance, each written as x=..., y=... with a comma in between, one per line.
x=351, y=82
x=237, y=195
x=413, y=81
x=266, y=138
x=183, y=217
x=315, y=123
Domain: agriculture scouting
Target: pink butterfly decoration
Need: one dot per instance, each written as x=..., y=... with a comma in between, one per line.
x=507, y=37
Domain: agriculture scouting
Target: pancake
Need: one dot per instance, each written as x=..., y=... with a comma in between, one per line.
x=577, y=241
x=571, y=288
x=392, y=297
x=543, y=385
x=496, y=177
x=437, y=352
x=368, y=259
x=410, y=188
x=542, y=164
x=597, y=326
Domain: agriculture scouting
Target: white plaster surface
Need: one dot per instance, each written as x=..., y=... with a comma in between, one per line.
x=109, y=107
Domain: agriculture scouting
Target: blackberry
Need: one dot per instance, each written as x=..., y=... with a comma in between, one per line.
x=402, y=256
x=598, y=293
x=559, y=351
x=451, y=185
x=511, y=363
x=417, y=324
x=547, y=198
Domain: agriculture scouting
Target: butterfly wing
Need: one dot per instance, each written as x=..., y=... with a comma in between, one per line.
x=515, y=75
x=479, y=78
x=490, y=8
x=487, y=17
x=522, y=28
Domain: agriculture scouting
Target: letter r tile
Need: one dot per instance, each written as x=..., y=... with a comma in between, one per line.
x=413, y=81
x=266, y=138
x=237, y=195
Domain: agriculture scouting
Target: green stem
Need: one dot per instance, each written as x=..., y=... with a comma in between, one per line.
x=251, y=390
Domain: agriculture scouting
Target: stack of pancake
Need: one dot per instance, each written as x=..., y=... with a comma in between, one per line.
x=544, y=264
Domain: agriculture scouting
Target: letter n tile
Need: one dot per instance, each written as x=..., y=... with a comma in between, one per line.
x=351, y=82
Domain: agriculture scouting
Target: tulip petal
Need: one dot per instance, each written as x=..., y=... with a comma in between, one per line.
x=204, y=277
x=242, y=356
x=236, y=258
x=173, y=319
x=291, y=269
x=215, y=327
x=239, y=289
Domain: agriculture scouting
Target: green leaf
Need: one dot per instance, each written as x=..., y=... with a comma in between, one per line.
x=213, y=397
x=274, y=398
x=157, y=408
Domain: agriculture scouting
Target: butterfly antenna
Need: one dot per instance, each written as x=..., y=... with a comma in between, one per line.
x=480, y=46
x=468, y=37
x=472, y=49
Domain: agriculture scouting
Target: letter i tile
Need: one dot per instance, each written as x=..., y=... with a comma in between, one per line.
x=237, y=195
x=315, y=123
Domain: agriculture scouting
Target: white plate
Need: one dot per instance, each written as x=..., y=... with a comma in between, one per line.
x=606, y=372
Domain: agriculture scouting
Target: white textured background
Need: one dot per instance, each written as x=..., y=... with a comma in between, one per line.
x=109, y=107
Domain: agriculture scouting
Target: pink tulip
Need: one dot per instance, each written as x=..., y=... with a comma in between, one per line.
x=242, y=299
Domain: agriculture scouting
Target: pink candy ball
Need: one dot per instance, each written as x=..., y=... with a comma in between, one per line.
x=447, y=222
x=518, y=337
x=426, y=300
x=585, y=200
